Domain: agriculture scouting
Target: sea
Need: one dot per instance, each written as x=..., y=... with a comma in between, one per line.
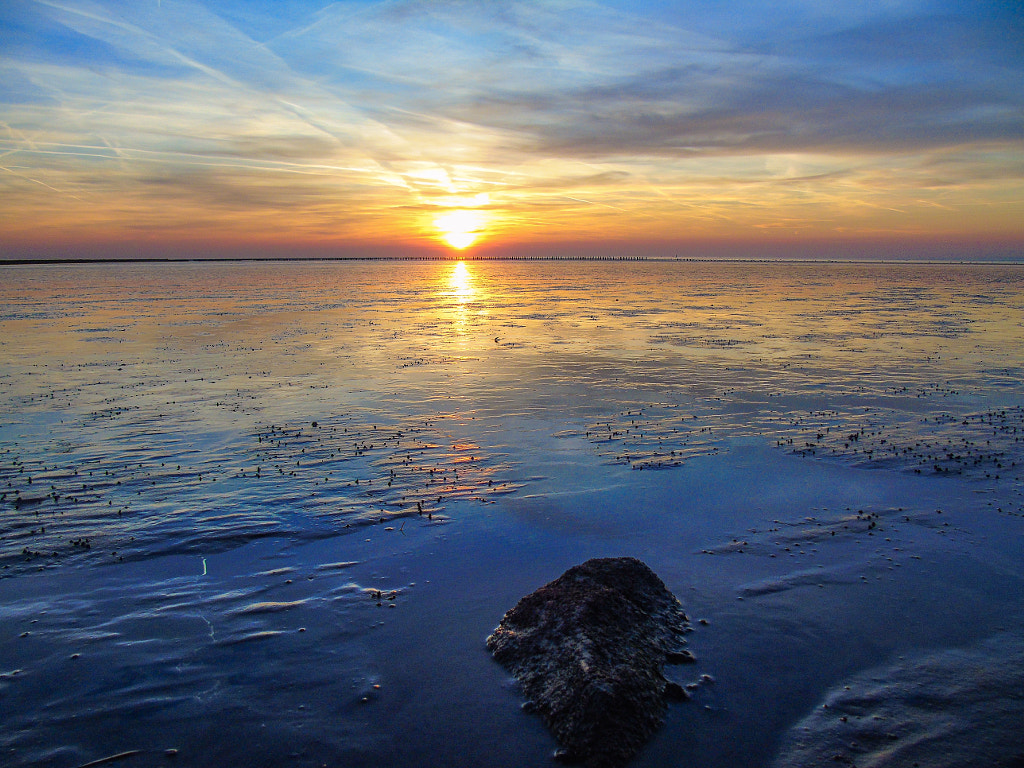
x=265, y=513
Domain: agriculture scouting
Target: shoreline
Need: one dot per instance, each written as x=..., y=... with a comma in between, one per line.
x=458, y=257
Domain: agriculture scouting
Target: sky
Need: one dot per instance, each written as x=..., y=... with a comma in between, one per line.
x=788, y=129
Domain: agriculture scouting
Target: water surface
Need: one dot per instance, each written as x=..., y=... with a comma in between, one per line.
x=265, y=513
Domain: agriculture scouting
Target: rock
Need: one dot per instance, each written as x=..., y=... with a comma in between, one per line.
x=589, y=650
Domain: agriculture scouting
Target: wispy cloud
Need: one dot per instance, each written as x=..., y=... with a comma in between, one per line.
x=354, y=120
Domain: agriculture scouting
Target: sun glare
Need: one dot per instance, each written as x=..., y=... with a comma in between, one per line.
x=461, y=228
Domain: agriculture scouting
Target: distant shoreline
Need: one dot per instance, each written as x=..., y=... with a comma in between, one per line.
x=610, y=259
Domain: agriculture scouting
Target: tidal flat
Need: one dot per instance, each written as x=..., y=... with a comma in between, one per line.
x=266, y=514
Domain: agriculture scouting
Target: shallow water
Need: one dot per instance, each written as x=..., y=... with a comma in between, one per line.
x=900, y=715
x=265, y=513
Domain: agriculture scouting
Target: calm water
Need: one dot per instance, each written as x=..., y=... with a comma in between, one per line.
x=212, y=474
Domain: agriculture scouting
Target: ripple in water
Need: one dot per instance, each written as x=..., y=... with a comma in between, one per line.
x=960, y=707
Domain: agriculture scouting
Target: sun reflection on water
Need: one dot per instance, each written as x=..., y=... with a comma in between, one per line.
x=460, y=281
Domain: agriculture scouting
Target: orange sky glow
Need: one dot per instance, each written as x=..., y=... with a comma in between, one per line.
x=371, y=128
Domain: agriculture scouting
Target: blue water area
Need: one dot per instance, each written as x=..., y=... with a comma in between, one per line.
x=266, y=513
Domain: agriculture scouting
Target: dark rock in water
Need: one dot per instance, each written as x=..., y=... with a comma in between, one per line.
x=589, y=650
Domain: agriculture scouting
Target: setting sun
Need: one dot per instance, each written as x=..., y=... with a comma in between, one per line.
x=461, y=228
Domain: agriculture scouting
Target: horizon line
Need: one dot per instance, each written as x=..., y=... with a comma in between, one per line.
x=665, y=259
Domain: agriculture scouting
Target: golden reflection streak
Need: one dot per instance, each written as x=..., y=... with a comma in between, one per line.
x=460, y=281
x=461, y=293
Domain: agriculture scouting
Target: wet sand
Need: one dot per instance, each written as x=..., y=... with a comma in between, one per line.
x=198, y=575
